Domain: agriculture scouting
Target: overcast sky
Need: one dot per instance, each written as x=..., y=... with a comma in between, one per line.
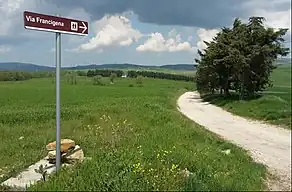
x=129, y=31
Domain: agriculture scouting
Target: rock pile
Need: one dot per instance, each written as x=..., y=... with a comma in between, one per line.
x=70, y=152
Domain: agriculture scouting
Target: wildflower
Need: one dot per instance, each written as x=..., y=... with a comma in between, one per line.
x=173, y=167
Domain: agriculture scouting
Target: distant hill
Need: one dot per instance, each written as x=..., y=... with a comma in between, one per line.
x=32, y=67
x=185, y=67
x=14, y=66
x=17, y=66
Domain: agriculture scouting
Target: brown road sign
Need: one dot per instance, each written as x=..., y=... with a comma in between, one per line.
x=51, y=23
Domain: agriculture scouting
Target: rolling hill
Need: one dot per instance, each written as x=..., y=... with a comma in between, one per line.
x=18, y=66
x=15, y=66
x=33, y=67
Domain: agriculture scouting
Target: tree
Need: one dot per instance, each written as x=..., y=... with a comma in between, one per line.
x=90, y=73
x=112, y=77
x=97, y=80
x=139, y=80
x=73, y=78
x=240, y=58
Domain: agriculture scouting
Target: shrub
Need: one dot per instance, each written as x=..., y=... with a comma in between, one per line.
x=112, y=77
x=97, y=80
x=139, y=80
x=73, y=78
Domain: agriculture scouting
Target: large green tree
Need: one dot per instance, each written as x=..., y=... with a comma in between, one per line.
x=240, y=58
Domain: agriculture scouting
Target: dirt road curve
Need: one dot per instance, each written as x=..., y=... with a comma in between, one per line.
x=267, y=144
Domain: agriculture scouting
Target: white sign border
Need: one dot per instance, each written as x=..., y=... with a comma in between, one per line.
x=54, y=30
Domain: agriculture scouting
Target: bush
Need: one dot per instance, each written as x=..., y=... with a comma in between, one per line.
x=73, y=78
x=97, y=80
x=160, y=75
x=112, y=77
x=139, y=80
x=104, y=72
x=15, y=75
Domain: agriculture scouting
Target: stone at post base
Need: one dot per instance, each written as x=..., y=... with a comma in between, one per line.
x=29, y=176
x=66, y=145
x=72, y=156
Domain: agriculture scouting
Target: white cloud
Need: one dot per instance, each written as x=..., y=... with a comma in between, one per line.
x=4, y=49
x=279, y=19
x=157, y=43
x=8, y=10
x=277, y=14
x=111, y=30
x=276, y=19
x=11, y=14
x=205, y=35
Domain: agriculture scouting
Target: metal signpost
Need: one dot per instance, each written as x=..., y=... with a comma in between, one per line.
x=41, y=22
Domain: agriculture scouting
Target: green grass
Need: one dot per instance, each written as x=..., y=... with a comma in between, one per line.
x=274, y=105
x=135, y=136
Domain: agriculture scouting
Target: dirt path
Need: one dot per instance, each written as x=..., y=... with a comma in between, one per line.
x=267, y=144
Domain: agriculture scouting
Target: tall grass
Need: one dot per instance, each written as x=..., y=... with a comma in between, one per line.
x=135, y=136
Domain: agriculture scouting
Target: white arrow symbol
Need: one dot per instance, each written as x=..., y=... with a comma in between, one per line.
x=83, y=27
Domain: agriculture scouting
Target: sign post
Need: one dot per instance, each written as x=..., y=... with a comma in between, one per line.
x=58, y=68
x=41, y=22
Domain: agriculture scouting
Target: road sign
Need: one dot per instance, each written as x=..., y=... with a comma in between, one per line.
x=37, y=21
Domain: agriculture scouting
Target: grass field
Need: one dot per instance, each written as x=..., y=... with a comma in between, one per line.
x=135, y=136
x=274, y=106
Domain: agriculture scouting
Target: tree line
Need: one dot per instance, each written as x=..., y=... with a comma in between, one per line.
x=103, y=72
x=240, y=58
x=160, y=75
x=22, y=75
x=71, y=75
x=134, y=74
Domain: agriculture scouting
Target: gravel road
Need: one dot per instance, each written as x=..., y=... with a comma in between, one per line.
x=267, y=144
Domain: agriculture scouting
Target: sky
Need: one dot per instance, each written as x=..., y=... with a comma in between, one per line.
x=147, y=32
